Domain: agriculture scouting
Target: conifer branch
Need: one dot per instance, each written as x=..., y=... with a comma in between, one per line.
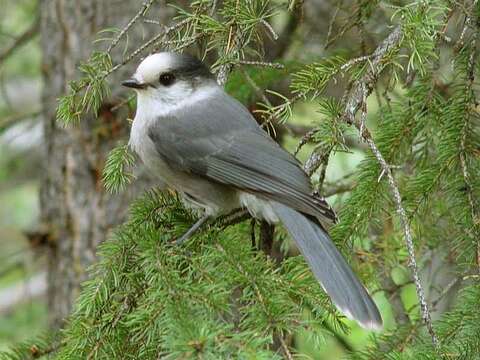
x=287, y=352
x=355, y=96
x=356, y=99
x=474, y=213
x=386, y=170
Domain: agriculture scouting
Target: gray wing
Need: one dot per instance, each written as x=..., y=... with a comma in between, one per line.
x=219, y=140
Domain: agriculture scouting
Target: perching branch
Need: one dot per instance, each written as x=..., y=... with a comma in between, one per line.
x=356, y=99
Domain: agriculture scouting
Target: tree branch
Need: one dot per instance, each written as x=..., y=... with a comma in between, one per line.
x=355, y=96
x=146, y=5
x=463, y=158
x=356, y=99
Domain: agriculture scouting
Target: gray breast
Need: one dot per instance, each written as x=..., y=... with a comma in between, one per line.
x=145, y=149
x=196, y=191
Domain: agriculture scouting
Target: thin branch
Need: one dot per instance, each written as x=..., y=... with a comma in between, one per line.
x=15, y=118
x=332, y=22
x=354, y=61
x=233, y=46
x=24, y=38
x=405, y=224
x=146, y=5
x=262, y=63
x=316, y=159
x=356, y=99
x=339, y=188
x=463, y=159
x=258, y=91
x=37, y=353
x=270, y=29
x=147, y=44
x=214, y=7
x=446, y=290
x=123, y=103
x=287, y=352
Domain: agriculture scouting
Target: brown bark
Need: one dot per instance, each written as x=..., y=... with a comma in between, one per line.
x=76, y=209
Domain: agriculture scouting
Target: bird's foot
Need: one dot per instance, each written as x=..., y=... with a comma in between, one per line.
x=192, y=230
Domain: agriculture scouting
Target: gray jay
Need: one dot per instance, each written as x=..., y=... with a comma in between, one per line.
x=204, y=144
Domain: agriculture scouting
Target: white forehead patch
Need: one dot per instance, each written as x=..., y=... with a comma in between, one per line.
x=153, y=65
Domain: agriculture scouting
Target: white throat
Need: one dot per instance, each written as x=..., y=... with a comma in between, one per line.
x=153, y=104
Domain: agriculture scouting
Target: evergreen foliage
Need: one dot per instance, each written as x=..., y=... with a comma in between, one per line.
x=218, y=297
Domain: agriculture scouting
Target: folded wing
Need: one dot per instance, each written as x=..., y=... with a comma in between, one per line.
x=221, y=141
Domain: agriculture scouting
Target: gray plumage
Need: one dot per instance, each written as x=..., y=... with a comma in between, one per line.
x=330, y=268
x=233, y=150
x=206, y=145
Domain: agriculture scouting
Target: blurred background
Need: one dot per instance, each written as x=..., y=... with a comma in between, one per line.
x=25, y=248
x=23, y=285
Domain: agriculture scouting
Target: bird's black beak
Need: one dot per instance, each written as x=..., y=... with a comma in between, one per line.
x=134, y=84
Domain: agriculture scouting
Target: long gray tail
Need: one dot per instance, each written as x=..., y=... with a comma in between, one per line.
x=330, y=268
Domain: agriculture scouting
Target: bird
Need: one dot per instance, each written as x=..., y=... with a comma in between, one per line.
x=205, y=145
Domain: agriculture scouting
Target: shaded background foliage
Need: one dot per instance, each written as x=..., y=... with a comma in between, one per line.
x=407, y=70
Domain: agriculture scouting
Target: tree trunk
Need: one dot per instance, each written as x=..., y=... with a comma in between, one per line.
x=75, y=208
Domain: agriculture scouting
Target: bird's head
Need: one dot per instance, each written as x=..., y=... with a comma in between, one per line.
x=169, y=77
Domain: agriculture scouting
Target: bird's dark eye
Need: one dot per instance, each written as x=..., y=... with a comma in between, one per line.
x=166, y=79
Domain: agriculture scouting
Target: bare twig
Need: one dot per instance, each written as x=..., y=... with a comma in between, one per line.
x=446, y=290
x=287, y=352
x=354, y=61
x=146, y=5
x=356, y=99
x=314, y=161
x=258, y=91
x=332, y=22
x=262, y=63
x=214, y=7
x=147, y=44
x=406, y=228
x=122, y=103
x=150, y=21
x=338, y=188
x=25, y=37
x=270, y=29
x=225, y=69
x=346, y=27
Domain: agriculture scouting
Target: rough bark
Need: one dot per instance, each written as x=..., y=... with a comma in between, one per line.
x=76, y=210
